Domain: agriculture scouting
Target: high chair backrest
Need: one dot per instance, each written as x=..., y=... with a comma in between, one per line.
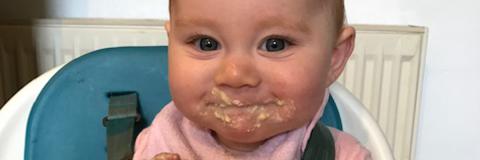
x=66, y=119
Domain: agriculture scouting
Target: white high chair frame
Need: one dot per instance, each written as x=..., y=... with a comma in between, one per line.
x=356, y=120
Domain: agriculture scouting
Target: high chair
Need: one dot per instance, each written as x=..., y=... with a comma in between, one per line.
x=60, y=115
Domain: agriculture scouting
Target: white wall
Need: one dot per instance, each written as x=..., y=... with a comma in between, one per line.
x=143, y=9
x=450, y=111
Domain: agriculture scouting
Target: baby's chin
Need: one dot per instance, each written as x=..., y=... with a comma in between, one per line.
x=248, y=130
x=247, y=122
x=245, y=134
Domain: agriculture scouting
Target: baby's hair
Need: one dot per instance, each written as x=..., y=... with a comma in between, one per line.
x=336, y=8
x=339, y=13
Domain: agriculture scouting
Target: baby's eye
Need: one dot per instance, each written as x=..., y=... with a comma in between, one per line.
x=274, y=44
x=206, y=44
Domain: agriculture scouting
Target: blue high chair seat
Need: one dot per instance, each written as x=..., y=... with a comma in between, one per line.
x=66, y=119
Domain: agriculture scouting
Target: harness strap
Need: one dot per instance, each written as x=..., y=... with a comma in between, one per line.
x=320, y=145
x=122, y=115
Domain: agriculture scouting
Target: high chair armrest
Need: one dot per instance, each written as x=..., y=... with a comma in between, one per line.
x=14, y=117
x=357, y=121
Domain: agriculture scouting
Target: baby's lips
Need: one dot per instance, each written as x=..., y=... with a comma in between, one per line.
x=166, y=156
x=220, y=97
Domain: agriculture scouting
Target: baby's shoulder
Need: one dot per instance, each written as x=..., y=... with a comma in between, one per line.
x=348, y=148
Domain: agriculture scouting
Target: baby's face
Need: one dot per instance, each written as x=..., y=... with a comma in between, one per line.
x=249, y=69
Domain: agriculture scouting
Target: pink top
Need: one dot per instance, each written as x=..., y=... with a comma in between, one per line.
x=173, y=133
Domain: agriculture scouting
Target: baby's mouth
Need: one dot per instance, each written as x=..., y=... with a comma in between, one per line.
x=244, y=115
x=226, y=101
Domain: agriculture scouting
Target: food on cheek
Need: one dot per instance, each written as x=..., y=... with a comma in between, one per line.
x=218, y=93
x=220, y=115
x=263, y=116
x=237, y=103
x=247, y=116
x=279, y=102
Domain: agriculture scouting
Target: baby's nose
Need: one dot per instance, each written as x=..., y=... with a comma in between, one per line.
x=238, y=71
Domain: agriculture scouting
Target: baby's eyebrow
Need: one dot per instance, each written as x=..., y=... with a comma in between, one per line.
x=194, y=22
x=269, y=22
x=292, y=25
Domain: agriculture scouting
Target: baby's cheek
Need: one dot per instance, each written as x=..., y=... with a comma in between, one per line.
x=283, y=113
x=193, y=111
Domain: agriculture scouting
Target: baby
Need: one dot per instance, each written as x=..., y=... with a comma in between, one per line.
x=249, y=79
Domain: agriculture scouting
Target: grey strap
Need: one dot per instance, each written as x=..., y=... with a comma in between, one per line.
x=122, y=115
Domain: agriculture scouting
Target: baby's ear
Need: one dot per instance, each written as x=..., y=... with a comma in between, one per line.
x=167, y=27
x=342, y=51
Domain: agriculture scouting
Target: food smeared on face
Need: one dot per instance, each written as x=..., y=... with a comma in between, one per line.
x=246, y=115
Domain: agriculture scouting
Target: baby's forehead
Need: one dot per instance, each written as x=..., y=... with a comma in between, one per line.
x=258, y=23
x=266, y=13
x=306, y=6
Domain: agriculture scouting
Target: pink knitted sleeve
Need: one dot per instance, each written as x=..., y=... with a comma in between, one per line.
x=348, y=148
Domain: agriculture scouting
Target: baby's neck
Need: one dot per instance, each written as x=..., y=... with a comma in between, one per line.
x=239, y=147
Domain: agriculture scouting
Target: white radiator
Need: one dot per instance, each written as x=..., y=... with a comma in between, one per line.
x=384, y=71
